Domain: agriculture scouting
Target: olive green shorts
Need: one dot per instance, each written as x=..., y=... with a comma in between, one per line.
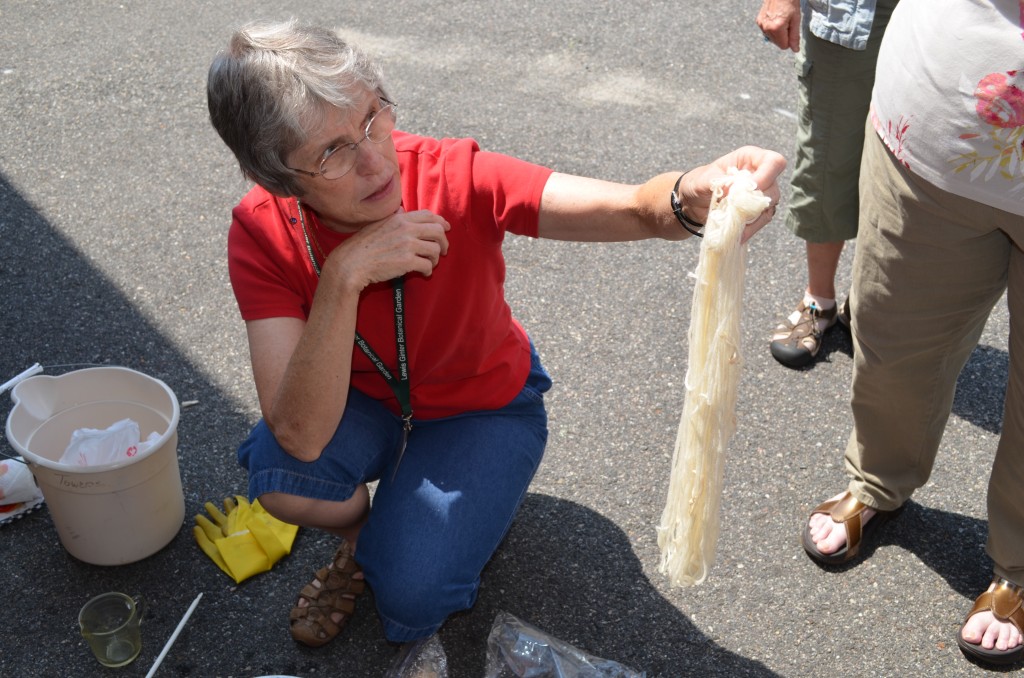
x=835, y=92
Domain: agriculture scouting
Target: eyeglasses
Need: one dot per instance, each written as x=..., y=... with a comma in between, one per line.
x=338, y=161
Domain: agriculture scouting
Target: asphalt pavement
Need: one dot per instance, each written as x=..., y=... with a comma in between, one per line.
x=115, y=198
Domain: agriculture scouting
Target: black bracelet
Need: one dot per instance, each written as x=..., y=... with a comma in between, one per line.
x=677, y=209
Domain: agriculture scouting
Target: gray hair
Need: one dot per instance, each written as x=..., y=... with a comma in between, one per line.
x=274, y=85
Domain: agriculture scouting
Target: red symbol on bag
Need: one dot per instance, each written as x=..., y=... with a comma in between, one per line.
x=132, y=451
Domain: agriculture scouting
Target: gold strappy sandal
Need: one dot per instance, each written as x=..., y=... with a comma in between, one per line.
x=846, y=511
x=1006, y=602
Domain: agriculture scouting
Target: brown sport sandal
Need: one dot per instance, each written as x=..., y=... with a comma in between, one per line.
x=796, y=342
x=1006, y=602
x=330, y=600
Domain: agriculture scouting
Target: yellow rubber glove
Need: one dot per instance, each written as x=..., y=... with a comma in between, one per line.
x=243, y=540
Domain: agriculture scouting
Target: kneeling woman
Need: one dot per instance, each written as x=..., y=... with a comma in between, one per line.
x=367, y=266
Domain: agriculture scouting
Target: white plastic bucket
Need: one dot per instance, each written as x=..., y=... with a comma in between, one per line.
x=109, y=514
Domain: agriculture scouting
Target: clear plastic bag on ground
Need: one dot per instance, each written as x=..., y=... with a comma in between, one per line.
x=422, y=659
x=517, y=650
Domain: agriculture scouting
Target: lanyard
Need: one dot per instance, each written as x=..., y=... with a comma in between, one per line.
x=399, y=385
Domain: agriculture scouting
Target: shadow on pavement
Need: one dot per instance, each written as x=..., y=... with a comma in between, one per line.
x=61, y=311
x=950, y=544
x=981, y=388
x=572, y=573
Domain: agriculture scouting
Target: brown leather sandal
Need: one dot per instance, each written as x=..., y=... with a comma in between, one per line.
x=846, y=511
x=1006, y=602
x=330, y=594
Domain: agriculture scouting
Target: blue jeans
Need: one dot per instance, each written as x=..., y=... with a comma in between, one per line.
x=432, y=528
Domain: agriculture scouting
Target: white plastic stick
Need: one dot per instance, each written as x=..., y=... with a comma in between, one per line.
x=174, y=636
x=35, y=369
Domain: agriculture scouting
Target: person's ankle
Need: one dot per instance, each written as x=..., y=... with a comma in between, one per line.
x=822, y=303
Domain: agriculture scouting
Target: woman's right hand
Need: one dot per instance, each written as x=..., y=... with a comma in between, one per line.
x=405, y=242
x=303, y=368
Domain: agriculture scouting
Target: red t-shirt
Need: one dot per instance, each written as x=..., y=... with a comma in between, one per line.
x=465, y=350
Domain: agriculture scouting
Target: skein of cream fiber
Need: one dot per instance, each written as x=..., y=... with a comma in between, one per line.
x=689, y=525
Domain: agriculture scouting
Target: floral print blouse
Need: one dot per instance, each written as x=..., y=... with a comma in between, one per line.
x=949, y=96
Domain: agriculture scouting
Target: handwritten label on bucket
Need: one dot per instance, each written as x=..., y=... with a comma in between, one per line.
x=76, y=482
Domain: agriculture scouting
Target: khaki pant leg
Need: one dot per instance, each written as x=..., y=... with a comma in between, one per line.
x=928, y=269
x=1006, y=484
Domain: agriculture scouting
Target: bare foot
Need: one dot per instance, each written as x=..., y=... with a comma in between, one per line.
x=985, y=630
x=829, y=536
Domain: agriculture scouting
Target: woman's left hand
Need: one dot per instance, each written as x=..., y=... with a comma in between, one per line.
x=765, y=166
